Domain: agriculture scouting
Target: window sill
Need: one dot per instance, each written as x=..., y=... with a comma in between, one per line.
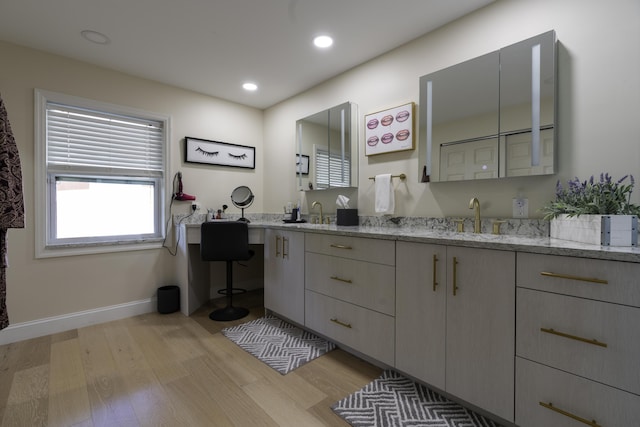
x=98, y=248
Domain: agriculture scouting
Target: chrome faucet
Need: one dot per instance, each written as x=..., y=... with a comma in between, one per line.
x=475, y=205
x=313, y=205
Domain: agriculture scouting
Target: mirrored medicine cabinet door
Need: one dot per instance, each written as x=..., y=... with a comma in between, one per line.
x=493, y=116
x=327, y=149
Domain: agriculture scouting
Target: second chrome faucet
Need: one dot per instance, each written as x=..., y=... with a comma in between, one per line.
x=475, y=205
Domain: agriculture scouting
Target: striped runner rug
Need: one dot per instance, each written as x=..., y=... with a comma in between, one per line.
x=394, y=400
x=277, y=343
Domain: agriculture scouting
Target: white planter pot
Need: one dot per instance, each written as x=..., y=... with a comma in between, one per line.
x=605, y=230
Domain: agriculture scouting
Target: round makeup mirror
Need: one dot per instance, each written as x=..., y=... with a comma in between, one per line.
x=242, y=197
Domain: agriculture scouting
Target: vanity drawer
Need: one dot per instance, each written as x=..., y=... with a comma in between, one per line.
x=570, y=325
x=366, y=331
x=360, y=248
x=612, y=281
x=576, y=396
x=362, y=283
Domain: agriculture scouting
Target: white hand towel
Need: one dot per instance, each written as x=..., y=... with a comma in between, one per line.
x=385, y=202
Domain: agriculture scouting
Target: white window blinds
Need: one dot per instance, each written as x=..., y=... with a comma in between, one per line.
x=82, y=138
x=332, y=170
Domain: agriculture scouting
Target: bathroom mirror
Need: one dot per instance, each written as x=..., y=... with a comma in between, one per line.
x=329, y=139
x=242, y=197
x=492, y=116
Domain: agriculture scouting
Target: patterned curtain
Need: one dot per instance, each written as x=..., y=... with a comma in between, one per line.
x=11, y=201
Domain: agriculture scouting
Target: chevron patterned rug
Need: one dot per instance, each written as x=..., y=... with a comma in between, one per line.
x=393, y=400
x=277, y=343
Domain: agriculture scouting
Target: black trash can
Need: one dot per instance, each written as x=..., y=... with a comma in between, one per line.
x=168, y=299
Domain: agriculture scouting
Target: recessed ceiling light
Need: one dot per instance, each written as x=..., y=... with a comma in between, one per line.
x=323, y=41
x=95, y=37
x=250, y=86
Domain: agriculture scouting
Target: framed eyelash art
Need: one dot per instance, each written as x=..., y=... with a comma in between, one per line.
x=219, y=153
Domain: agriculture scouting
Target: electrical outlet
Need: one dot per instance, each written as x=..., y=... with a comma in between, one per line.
x=194, y=207
x=521, y=208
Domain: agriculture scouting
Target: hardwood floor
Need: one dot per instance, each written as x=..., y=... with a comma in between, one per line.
x=167, y=370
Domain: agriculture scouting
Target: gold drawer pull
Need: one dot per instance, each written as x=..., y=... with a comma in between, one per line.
x=568, y=276
x=341, y=280
x=435, y=262
x=285, y=241
x=341, y=246
x=455, y=276
x=591, y=423
x=277, y=243
x=573, y=337
x=346, y=325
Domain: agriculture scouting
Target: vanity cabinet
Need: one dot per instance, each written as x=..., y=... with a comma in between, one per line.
x=284, y=273
x=577, y=341
x=455, y=329
x=350, y=292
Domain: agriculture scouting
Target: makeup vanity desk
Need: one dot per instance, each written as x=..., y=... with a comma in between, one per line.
x=195, y=273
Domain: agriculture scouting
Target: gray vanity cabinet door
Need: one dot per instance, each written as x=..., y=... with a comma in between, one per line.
x=481, y=328
x=284, y=273
x=421, y=311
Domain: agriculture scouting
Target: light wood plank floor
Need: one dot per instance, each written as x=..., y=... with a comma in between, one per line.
x=167, y=370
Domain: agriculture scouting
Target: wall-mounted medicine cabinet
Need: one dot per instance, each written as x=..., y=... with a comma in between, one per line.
x=493, y=116
x=327, y=149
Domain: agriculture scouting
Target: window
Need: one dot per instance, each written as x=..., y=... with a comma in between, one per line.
x=100, y=176
x=332, y=169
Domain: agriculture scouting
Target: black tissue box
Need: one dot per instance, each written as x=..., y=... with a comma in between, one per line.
x=347, y=216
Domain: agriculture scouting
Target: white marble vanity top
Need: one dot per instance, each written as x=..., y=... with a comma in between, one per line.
x=423, y=234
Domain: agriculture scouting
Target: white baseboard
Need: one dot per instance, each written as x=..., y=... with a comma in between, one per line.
x=56, y=324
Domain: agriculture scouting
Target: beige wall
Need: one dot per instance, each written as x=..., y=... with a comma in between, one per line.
x=598, y=131
x=599, y=65
x=42, y=288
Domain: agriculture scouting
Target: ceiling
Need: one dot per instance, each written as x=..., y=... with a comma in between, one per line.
x=213, y=46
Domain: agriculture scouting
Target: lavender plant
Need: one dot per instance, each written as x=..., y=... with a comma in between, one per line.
x=591, y=197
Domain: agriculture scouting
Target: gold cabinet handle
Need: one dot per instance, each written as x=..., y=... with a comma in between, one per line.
x=573, y=337
x=550, y=406
x=277, y=243
x=435, y=261
x=346, y=325
x=341, y=280
x=570, y=277
x=285, y=254
x=455, y=276
x=341, y=246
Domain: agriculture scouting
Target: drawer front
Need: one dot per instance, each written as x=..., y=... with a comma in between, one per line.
x=612, y=281
x=359, y=248
x=577, y=397
x=363, y=330
x=361, y=283
x=570, y=324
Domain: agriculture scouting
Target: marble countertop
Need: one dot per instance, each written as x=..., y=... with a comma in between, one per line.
x=541, y=245
x=423, y=234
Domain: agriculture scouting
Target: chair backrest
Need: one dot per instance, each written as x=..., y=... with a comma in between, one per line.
x=224, y=241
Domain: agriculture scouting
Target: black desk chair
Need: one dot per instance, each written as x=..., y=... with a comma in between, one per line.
x=226, y=241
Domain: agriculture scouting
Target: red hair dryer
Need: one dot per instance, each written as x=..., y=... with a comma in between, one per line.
x=180, y=195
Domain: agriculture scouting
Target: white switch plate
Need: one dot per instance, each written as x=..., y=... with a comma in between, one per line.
x=521, y=208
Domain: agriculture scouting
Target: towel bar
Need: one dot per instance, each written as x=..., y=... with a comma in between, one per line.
x=401, y=176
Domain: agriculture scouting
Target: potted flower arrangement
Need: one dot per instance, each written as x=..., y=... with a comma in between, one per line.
x=592, y=211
